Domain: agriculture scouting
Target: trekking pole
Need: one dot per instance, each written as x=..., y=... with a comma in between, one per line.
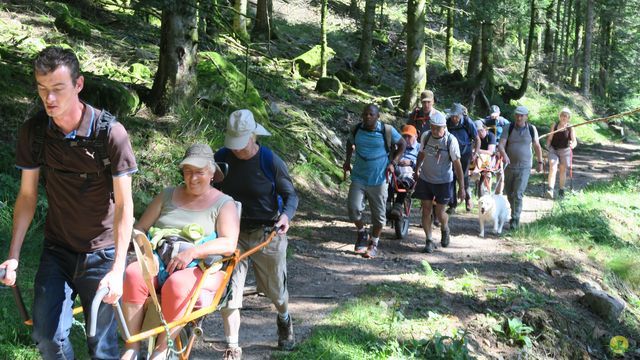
x=571, y=168
x=545, y=177
x=17, y=296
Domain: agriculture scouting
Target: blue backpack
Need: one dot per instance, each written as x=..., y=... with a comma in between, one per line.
x=267, y=167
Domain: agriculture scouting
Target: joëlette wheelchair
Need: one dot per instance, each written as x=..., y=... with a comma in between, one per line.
x=397, y=188
x=201, y=304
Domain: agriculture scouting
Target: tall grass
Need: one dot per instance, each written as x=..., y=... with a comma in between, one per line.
x=603, y=220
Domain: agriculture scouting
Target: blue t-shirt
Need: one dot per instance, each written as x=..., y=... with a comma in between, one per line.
x=371, y=158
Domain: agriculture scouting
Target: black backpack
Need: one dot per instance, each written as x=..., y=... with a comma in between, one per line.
x=98, y=142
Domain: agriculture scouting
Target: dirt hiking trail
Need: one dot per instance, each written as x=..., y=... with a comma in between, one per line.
x=323, y=271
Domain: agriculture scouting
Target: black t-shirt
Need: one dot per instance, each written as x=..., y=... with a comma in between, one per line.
x=490, y=139
x=246, y=182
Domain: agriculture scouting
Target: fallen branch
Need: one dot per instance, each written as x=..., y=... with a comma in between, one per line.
x=603, y=119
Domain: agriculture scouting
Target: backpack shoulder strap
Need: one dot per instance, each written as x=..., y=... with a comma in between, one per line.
x=101, y=139
x=388, y=137
x=353, y=132
x=268, y=167
x=530, y=127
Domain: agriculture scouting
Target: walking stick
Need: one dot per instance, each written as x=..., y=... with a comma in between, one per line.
x=571, y=168
x=603, y=119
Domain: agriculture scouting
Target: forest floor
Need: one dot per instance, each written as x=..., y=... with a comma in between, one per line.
x=323, y=271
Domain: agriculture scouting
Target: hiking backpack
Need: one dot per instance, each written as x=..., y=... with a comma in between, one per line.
x=447, y=141
x=98, y=142
x=267, y=166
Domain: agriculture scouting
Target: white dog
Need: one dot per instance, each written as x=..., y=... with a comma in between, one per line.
x=493, y=207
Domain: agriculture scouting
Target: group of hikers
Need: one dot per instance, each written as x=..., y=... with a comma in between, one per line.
x=86, y=160
x=436, y=168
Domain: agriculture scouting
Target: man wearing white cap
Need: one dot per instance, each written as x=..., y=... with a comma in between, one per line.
x=438, y=158
x=515, y=148
x=259, y=179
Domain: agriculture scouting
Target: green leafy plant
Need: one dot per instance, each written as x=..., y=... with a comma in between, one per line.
x=514, y=331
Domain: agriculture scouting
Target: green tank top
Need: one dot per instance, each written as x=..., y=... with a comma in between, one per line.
x=172, y=216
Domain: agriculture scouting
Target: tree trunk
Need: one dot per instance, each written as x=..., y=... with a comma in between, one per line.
x=473, y=67
x=364, y=59
x=555, y=57
x=416, y=73
x=175, y=79
x=586, y=64
x=566, y=31
x=576, y=45
x=449, y=40
x=549, y=32
x=484, y=83
x=514, y=94
x=207, y=25
x=606, y=31
x=240, y=19
x=323, y=39
x=263, y=28
x=354, y=10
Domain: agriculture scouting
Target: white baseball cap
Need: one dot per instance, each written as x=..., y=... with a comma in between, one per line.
x=240, y=127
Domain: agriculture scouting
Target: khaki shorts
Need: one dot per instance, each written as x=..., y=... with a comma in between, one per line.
x=562, y=156
x=269, y=266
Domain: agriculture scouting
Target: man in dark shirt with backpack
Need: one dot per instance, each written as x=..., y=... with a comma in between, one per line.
x=463, y=128
x=259, y=179
x=86, y=159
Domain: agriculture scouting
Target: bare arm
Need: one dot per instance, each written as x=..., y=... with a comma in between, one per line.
x=150, y=215
x=538, y=150
x=502, y=151
x=574, y=140
x=457, y=167
x=122, y=227
x=23, y=212
x=346, y=167
x=419, y=160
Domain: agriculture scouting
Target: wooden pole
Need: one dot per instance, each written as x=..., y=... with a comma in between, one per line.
x=603, y=119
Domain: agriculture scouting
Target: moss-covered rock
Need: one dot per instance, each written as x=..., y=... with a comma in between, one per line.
x=111, y=95
x=326, y=84
x=347, y=77
x=221, y=83
x=305, y=63
x=74, y=26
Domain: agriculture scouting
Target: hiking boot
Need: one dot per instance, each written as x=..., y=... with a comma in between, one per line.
x=372, y=251
x=396, y=212
x=550, y=193
x=561, y=193
x=232, y=353
x=445, y=236
x=286, y=340
x=361, y=242
x=429, y=246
